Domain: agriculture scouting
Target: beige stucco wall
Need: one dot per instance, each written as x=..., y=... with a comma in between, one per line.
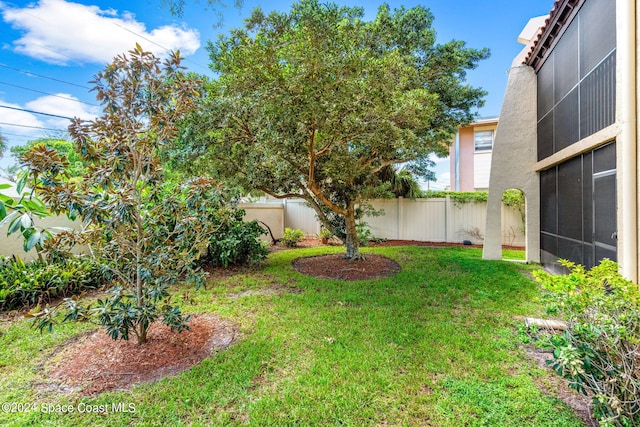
x=514, y=154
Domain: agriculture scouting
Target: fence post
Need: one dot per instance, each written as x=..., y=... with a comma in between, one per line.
x=447, y=203
x=400, y=214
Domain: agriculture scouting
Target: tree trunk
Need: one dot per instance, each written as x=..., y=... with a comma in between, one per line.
x=352, y=243
x=142, y=335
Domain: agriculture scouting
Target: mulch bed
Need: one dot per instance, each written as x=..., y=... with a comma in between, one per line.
x=338, y=267
x=94, y=362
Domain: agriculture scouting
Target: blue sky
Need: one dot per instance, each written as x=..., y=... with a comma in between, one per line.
x=50, y=49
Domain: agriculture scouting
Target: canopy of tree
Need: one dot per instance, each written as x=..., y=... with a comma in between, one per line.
x=317, y=102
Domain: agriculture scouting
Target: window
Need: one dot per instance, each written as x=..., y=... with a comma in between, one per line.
x=483, y=140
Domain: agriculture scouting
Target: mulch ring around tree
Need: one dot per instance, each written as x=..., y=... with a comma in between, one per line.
x=93, y=362
x=338, y=267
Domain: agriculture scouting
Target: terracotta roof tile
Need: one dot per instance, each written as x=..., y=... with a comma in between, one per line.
x=552, y=25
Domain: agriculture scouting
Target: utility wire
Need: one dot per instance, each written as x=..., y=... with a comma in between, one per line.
x=15, y=134
x=47, y=93
x=31, y=127
x=36, y=112
x=159, y=45
x=31, y=73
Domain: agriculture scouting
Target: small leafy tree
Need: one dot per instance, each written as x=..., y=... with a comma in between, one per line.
x=600, y=351
x=147, y=237
x=76, y=166
x=314, y=103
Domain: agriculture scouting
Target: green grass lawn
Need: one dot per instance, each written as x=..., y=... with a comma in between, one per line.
x=436, y=345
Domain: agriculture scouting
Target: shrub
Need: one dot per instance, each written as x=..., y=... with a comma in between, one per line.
x=291, y=238
x=325, y=233
x=600, y=351
x=28, y=283
x=236, y=241
x=364, y=233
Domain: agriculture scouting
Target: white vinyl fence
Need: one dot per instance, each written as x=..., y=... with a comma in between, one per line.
x=429, y=220
x=13, y=244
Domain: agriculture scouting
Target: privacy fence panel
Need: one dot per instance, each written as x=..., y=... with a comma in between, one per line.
x=271, y=214
x=420, y=219
x=429, y=220
x=298, y=215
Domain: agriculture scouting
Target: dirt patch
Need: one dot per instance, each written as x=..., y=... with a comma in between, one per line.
x=559, y=388
x=338, y=267
x=93, y=362
x=312, y=243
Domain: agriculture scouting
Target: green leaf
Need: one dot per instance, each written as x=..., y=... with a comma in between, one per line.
x=22, y=182
x=26, y=221
x=8, y=218
x=14, y=225
x=7, y=200
x=32, y=241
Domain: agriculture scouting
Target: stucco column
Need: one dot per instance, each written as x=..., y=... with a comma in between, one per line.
x=627, y=99
x=514, y=154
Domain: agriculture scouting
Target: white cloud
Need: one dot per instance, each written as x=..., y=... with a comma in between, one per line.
x=438, y=160
x=444, y=178
x=19, y=126
x=62, y=104
x=61, y=32
x=21, y=122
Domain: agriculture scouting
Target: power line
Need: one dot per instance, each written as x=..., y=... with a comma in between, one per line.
x=47, y=93
x=159, y=45
x=31, y=73
x=15, y=134
x=57, y=53
x=31, y=127
x=36, y=112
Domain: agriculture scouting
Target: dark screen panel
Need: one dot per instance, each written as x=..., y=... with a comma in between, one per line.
x=580, y=203
x=605, y=253
x=549, y=243
x=598, y=97
x=571, y=250
x=597, y=32
x=545, y=88
x=604, y=205
x=588, y=256
x=587, y=198
x=566, y=121
x=570, y=198
x=548, y=204
x=566, y=62
x=604, y=158
x=545, y=136
x=583, y=60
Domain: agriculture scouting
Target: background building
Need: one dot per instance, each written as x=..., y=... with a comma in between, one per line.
x=470, y=155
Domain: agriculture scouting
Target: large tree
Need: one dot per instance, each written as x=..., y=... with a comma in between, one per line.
x=315, y=103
